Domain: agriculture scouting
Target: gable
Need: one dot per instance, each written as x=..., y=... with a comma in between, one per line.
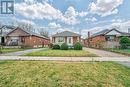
x=113, y=32
x=65, y=33
x=18, y=32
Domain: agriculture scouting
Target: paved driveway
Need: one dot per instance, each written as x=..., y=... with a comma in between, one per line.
x=111, y=55
x=103, y=53
x=19, y=53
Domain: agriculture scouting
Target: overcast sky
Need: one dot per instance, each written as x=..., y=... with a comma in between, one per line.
x=74, y=15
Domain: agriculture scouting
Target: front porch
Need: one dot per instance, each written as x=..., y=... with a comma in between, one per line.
x=12, y=42
x=70, y=41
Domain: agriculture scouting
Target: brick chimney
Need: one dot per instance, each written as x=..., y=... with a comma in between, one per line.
x=128, y=30
x=89, y=34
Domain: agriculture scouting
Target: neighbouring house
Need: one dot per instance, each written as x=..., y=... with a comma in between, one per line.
x=22, y=38
x=105, y=39
x=66, y=37
x=3, y=31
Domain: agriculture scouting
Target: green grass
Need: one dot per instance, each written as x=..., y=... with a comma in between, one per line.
x=122, y=51
x=8, y=50
x=63, y=74
x=62, y=53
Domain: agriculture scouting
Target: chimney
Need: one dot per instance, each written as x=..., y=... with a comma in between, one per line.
x=128, y=30
x=88, y=34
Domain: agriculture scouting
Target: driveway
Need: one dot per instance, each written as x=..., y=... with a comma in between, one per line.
x=103, y=53
x=110, y=55
x=19, y=53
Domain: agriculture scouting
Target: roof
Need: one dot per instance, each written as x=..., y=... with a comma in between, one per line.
x=6, y=29
x=103, y=32
x=65, y=33
x=100, y=33
x=29, y=33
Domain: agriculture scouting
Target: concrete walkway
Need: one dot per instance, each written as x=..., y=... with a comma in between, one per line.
x=78, y=59
x=126, y=63
x=19, y=53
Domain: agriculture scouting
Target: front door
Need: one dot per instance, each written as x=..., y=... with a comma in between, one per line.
x=70, y=41
x=2, y=40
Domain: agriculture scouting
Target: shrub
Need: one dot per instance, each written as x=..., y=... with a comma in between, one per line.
x=50, y=45
x=56, y=47
x=124, y=42
x=78, y=46
x=64, y=46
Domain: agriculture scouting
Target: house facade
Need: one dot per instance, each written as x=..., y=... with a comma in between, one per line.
x=70, y=38
x=3, y=31
x=105, y=39
x=22, y=38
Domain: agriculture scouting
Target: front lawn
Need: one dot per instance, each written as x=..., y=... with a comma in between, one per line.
x=62, y=53
x=8, y=50
x=63, y=74
x=122, y=51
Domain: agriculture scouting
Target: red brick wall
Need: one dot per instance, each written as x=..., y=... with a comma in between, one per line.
x=93, y=41
x=75, y=39
x=32, y=41
x=29, y=41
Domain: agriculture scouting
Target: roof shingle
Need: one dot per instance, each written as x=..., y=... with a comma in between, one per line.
x=30, y=33
x=65, y=33
x=103, y=32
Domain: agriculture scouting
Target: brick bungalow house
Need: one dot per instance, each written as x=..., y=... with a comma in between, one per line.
x=28, y=39
x=66, y=37
x=105, y=39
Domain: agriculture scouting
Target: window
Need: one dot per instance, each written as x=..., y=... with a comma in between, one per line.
x=14, y=41
x=69, y=40
x=110, y=38
x=60, y=39
x=23, y=40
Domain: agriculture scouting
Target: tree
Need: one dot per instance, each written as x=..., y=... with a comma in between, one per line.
x=43, y=32
x=1, y=28
x=124, y=42
x=25, y=26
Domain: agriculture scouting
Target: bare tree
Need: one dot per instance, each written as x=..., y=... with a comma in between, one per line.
x=25, y=26
x=1, y=47
x=43, y=32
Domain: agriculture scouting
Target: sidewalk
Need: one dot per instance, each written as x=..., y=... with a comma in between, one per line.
x=78, y=59
x=105, y=57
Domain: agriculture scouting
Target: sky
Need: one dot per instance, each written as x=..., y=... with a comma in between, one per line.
x=78, y=16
